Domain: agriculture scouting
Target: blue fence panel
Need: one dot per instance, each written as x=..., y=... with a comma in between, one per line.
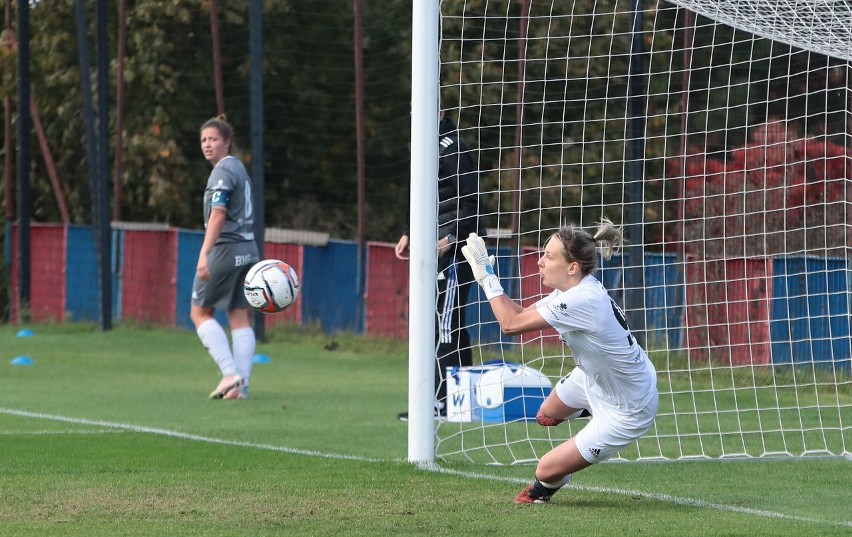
x=611, y=273
x=810, y=312
x=664, y=294
x=116, y=264
x=82, y=295
x=329, y=292
x=482, y=324
x=189, y=244
x=664, y=297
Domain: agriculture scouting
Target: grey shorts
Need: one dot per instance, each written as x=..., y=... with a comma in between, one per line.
x=228, y=264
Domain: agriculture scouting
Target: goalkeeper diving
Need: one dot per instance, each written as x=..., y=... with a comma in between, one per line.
x=614, y=382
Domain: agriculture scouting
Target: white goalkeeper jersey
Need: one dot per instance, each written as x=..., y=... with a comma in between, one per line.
x=618, y=372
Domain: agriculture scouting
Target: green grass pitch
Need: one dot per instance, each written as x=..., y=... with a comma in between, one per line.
x=111, y=433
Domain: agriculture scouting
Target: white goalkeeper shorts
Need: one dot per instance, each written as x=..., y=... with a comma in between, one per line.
x=608, y=430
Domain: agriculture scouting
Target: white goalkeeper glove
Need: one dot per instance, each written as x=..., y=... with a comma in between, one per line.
x=477, y=257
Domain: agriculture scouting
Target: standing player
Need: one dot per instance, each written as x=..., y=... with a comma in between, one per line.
x=613, y=380
x=228, y=251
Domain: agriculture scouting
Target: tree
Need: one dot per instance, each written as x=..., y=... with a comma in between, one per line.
x=309, y=128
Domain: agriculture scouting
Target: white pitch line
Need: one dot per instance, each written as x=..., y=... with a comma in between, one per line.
x=690, y=502
x=666, y=498
x=182, y=436
x=59, y=432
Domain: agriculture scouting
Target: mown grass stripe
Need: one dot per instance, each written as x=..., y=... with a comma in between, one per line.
x=666, y=498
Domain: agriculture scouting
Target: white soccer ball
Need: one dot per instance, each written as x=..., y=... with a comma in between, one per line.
x=271, y=286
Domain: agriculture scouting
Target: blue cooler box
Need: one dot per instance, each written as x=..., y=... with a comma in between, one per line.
x=495, y=393
x=461, y=392
x=511, y=393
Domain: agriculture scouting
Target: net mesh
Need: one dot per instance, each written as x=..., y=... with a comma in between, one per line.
x=718, y=135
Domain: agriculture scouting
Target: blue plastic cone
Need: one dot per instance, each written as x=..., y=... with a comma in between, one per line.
x=261, y=359
x=22, y=360
x=25, y=332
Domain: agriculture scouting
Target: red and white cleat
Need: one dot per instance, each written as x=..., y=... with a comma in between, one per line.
x=535, y=493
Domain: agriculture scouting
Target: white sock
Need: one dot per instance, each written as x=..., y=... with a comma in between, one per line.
x=215, y=340
x=244, y=345
x=558, y=484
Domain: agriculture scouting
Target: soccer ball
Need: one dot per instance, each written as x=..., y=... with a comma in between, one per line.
x=271, y=286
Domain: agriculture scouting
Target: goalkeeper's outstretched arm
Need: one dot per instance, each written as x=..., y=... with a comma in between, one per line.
x=513, y=318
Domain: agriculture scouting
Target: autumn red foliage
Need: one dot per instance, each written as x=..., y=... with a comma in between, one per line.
x=780, y=194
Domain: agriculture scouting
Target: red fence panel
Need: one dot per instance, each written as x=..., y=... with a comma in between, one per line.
x=47, y=273
x=728, y=310
x=387, y=293
x=149, y=276
x=293, y=255
x=531, y=292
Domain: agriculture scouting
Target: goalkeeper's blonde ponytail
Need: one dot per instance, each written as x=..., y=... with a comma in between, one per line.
x=582, y=247
x=610, y=238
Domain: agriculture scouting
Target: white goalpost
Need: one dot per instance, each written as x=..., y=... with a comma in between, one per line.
x=719, y=134
x=424, y=232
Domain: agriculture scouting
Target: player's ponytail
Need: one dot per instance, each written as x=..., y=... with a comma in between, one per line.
x=609, y=237
x=580, y=246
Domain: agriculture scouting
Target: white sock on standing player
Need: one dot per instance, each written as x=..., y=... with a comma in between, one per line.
x=244, y=345
x=215, y=340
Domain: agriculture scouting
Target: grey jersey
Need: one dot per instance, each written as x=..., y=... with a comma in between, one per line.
x=229, y=186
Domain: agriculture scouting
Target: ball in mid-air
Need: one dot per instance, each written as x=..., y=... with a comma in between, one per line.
x=271, y=286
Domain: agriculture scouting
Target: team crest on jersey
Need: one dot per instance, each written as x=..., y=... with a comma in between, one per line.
x=561, y=309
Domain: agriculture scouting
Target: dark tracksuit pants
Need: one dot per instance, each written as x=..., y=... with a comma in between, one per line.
x=452, y=339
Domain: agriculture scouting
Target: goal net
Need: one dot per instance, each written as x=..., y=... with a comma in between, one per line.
x=718, y=134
